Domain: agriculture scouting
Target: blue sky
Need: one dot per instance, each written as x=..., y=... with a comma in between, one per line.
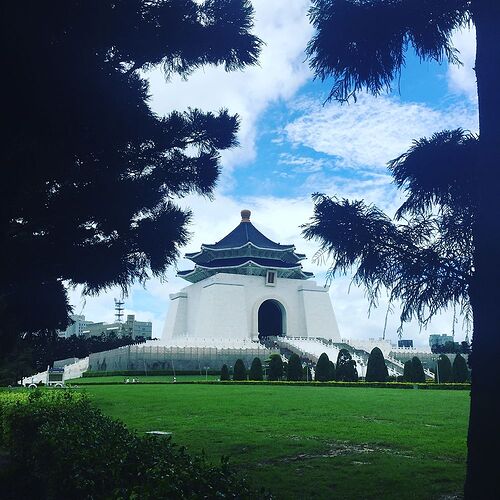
x=292, y=145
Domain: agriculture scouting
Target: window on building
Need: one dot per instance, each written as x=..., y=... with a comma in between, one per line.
x=271, y=278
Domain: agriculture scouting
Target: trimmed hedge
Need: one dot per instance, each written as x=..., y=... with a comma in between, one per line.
x=60, y=445
x=138, y=373
x=387, y=385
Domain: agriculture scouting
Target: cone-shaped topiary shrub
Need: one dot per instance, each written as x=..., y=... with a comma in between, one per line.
x=275, y=367
x=417, y=370
x=224, y=373
x=294, y=368
x=322, y=372
x=443, y=371
x=460, y=373
x=239, y=370
x=376, y=371
x=408, y=371
x=256, y=370
x=331, y=370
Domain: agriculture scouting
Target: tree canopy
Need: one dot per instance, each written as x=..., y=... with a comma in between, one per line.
x=362, y=44
x=424, y=257
x=90, y=172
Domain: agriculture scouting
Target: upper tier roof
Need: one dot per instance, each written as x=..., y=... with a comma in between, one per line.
x=245, y=232
x=245, y=250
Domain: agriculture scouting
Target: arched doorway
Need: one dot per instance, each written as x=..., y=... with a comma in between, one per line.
x=271, y=319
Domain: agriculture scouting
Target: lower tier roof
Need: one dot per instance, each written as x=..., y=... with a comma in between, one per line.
x=246, y=266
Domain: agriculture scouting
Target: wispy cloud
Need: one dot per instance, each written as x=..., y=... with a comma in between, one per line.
x=373, y=130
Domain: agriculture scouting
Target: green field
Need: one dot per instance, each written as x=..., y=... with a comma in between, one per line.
x=311, y=442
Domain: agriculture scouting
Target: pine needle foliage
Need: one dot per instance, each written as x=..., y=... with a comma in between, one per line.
x=91, y=174
x=423, y=259
x=362, y=44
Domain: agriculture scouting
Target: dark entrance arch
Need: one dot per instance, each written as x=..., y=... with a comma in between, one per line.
x=271, y=319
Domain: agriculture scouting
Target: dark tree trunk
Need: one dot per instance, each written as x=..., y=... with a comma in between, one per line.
x=484, y=425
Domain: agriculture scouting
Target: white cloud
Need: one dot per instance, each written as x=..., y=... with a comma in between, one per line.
x=373, y=130
x=462, y=79
x=284, y=28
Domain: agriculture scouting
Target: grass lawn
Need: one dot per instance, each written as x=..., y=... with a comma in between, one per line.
x=311, y=442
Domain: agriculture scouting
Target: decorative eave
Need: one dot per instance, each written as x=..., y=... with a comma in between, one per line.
x=248, y=267
x=205, y=249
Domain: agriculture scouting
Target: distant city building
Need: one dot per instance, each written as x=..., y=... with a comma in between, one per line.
x=76, y=328
x=405, y=343
x=130, y=327
x=439, y=340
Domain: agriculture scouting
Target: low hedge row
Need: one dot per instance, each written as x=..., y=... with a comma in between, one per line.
x=60, y=446
x=386, y=385
x=142, y=373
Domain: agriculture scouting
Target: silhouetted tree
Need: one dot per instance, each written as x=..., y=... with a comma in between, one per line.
x=90, y=172
x=345, y=370
x=443, y=370
x=239, y=370
x=275, y=367
x=376, y=370
x=357, y=57
x=256, y=370
x=224, y=373
x=460, y=373
x=294, y=368
x=322, y=372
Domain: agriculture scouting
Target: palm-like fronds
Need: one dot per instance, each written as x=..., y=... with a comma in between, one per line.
x=362, y=43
